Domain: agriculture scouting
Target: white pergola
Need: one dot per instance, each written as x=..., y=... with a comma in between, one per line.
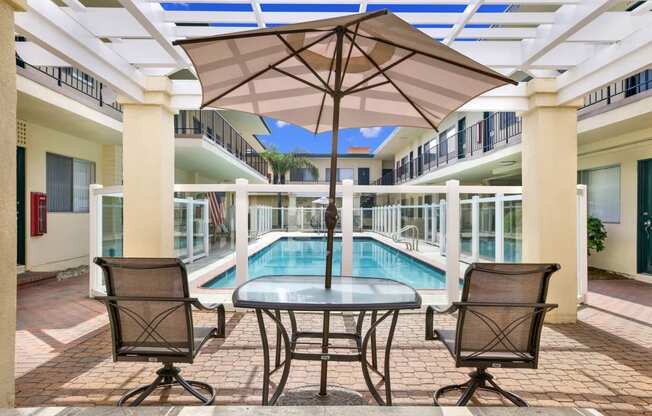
x=584, y=44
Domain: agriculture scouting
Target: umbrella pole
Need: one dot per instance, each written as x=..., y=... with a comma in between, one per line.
x=331, y=211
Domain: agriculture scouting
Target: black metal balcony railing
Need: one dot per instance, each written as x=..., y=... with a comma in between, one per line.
x=618, y=90
x=209, y=123
x=496, y=130
x=75, y=79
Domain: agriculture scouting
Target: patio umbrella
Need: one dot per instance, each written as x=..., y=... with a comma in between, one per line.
x=361, y=70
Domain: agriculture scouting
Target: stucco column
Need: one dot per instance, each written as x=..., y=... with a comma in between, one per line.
x=8, y=200
x=148, y=172
x=549, y=149
x=292, y=212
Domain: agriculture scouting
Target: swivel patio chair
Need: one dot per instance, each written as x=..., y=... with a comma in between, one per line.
x=150, y=312
x=499, y=323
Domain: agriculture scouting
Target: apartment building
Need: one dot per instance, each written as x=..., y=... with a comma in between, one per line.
x=69, y=129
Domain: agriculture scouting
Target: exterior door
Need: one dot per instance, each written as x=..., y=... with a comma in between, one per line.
x=488, y=132
x=461, y=137
x=363, y=176
x=20, y=204
x=644, y=219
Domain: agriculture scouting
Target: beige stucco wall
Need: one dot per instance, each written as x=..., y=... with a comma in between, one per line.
x=322, y=163
x=66, y=242
x=625, y=150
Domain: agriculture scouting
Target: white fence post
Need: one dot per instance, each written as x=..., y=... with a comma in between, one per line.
x=475, y=227
x=425, y=223
x=95, y=248
x=433, y=223
x=399, y=218
x=442, y=227
x=452, y=239
x=347, y=227
x=241, y=231
x=190, y=222
x=205, y=228
x=500, y=229
x=582, y=244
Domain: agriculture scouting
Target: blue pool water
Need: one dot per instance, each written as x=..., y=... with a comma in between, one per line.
x=297, y=256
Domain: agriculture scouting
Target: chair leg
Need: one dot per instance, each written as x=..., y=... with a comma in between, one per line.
x=478, y=380
x=168, y=376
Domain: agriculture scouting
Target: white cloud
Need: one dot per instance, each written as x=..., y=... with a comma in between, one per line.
x=370, y=132
x=280, y=124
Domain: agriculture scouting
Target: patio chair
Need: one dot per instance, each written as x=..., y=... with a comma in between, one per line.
x=150, y=312
x=499, y=323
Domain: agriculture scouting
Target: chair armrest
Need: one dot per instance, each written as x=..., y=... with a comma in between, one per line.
x=221, y=315
x=431, y=310
x=545, y=306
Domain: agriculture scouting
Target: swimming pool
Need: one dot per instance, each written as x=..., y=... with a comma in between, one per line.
x=371, y=258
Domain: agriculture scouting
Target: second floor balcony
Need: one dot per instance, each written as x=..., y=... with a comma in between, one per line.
x=211, y=126
x=493, y=132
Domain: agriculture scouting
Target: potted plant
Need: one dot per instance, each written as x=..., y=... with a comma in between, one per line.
x=596, y=235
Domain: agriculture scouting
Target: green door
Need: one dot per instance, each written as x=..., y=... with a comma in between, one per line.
x=644, y=218
x=20, y=204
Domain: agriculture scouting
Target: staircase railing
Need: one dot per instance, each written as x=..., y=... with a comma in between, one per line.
x=411, y=244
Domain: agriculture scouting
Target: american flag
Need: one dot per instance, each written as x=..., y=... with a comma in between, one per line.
x=216, y=208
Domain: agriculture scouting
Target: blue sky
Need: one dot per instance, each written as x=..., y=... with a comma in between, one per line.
x=288, y=137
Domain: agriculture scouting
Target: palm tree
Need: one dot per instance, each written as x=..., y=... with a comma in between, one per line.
x=282, y=163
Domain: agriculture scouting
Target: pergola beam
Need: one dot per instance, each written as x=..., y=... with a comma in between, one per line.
x=568, y=20
x=149, y=16
x=45, y=24
x=464, y=18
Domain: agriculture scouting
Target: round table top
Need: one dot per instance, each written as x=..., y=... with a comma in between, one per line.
x=307, y=293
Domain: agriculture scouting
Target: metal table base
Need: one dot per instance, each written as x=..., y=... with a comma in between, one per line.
x=290, y=340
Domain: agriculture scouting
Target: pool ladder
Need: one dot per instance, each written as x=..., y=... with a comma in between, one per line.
x=411, y=244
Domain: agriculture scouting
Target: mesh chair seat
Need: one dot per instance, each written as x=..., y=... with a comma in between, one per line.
x=447, y=337
x=150, y=312
x=201, y=335
x=499, y=322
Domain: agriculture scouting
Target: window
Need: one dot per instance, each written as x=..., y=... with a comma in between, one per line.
x=67, y=184
x=302, y=175
x=603, y=187
x=342, y=174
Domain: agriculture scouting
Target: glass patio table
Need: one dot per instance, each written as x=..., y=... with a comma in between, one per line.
x=378, y=297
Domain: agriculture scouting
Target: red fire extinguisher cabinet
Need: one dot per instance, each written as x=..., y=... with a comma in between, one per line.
x=39, y=213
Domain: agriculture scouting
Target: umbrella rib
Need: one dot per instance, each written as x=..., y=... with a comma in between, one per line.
x=348, y=56
x=323, y=97
x=405, y=96
x=261, y=72
x=439, y=58
x=367, y=87
x=303, y=61
x=287, y=74
x=392, y=65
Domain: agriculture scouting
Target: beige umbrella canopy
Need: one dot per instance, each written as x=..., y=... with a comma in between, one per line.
x=362, y=70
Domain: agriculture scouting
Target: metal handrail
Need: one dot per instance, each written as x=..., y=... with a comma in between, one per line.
x=414, y=245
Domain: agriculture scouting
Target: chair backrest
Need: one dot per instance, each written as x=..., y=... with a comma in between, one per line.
x=148, y=323
x=503, y=327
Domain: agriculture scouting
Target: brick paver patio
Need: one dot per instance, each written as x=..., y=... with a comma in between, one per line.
x=603, y=361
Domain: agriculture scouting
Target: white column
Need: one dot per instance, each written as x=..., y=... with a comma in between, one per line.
x=8, y=201
x=241, y=231
x=452, y=240
x=347, y=227
x=148, y=170
x=95, y=238
x=475, y=227
x=500, y=229
x=582, y=260
x=442, y=226
x=549, y=176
